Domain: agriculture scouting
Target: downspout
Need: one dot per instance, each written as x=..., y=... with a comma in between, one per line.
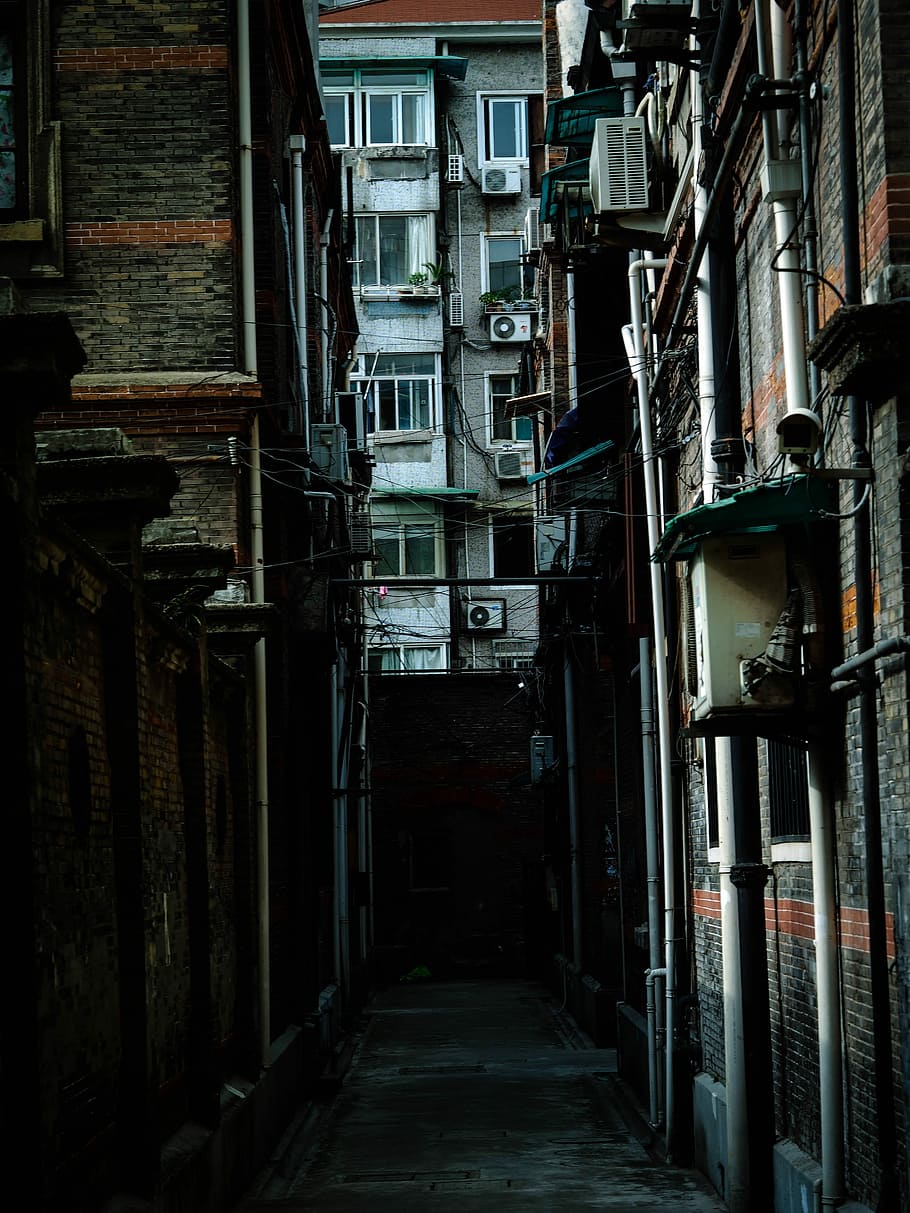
x=652, y=853
x=363, y=862
x=863, y=569
x=821, y=813
x=250, y=367
x=298, y=146
x=572, y=784
x=327, y=409
x=640, y=373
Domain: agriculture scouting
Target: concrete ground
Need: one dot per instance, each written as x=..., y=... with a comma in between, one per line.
x=472, y=1096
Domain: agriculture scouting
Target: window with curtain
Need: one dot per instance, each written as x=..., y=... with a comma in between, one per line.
x=400, y=391
x=391, y=247
x=501, y=388
x=407, y=659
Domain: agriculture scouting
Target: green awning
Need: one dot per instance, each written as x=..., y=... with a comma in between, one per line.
x=561, y=467
x=573, y=176
x=787, y=501
x=452, y=66
x=570, y=122
x=406, y=490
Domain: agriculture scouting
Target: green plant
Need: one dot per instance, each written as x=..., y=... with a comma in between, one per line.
x=437, y=271
x=489, y=297
x=418, y=278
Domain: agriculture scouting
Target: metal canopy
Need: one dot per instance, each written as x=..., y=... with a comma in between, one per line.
x=421, y=491
x=575, y=175
x=560, y=467
x=570, y=122
x=765, y=507
x=452, y=66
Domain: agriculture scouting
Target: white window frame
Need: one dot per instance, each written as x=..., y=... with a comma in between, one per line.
x=492, y=440
x=402, y=520
x=514, y=654
x=414, y=262
x=487, y=240
x=486, y=152
x=358, y=121
x=402, y=650
x=369, y=376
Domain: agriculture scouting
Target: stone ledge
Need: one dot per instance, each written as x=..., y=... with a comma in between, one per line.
x=863, y=349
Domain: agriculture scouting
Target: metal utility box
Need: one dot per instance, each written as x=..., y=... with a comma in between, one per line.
x=738, y=586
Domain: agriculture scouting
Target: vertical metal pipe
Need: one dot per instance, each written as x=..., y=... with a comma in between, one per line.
x=300, y=285
x=572, y=784
x=652, y=853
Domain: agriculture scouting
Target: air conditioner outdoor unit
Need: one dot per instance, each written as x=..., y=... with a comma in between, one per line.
x=532, y=229
x=456, y=310
x=512, y=464
x=329, y=450
x=485, y=615
x=361, y=534
x=352, y=414
x=737, y=600
x=510, y=326
x=550, y=537
x=495, y=180
x=619, y=165
x=455, y=170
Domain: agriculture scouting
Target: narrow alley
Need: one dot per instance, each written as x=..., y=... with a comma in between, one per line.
x=477, y=1092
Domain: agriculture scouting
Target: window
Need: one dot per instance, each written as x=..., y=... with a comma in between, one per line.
x=405, y=550
x=501, y=388
x=374, y=107
x=502, y=265
x=788, y=789
x=513, y=654
x=709, y=755
x=11, y=94
x=407, y=659
x=400, y=391
x=513, y=547
x=503, y=131
x=390, y=248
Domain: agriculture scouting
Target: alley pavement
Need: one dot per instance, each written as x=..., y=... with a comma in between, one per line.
x=473, y=1095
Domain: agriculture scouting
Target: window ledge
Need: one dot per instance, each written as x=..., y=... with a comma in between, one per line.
x=23, y=231
x=390, y=294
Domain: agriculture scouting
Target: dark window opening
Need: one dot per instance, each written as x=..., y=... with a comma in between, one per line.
x=513, y=549
x=788, y=790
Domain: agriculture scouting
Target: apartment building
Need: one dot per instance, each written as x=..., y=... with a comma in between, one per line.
x=439, y=124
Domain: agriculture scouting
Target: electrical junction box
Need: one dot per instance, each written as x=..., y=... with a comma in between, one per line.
x=329, y=450
x=738, y=586
x=542, y=752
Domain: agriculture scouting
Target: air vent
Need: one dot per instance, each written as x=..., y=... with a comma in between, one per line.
x=619, y=168
x=361, y=537
x=496, y=180
x=532, y=229
x=456, y=310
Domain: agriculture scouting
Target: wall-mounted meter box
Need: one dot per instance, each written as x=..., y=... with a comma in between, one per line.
x=541, y=757
x=738, y=587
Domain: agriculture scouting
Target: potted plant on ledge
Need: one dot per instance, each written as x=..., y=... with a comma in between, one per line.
x=418, y=280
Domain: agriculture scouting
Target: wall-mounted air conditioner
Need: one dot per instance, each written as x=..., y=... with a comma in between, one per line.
x=361, y=534
x=510, y=326
x=737, y=603
x=455, y=170
x=352, y=414
x=512, y=464
x=550, y=543
x=495, y=180
x=619, y=165
x=532, y=229
x=329, y=451
x=485, y=615
x=456, y=310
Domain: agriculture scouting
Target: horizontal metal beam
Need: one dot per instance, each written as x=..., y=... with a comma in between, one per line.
x=429, y=583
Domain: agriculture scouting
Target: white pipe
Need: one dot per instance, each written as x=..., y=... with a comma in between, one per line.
x=328, y=410
x=640, y=373
x=735, y=1080
x=300, y=287
x=652, y=853
x=572, y=783
x=572, y=351
x=336, y=827
x=250, y=366
x=773, y=27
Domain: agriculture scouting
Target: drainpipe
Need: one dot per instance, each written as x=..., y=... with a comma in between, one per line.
x=327, y=409
x=652, y=852
x=250, y=366
x=640, y=373
x=572, y=783
x=879, y=986
x=572, y=339
x=298, y=146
